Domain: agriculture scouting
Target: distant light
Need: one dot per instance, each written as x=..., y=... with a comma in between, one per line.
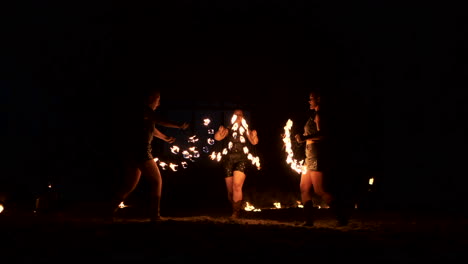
x=1, y=208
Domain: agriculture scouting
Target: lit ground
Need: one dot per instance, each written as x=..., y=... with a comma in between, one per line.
x=270, y=235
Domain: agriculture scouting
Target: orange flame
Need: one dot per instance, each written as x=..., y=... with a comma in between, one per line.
x=294, y=163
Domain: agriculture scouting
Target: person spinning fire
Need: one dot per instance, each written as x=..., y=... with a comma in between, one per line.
x=236, y=158
x=136, y=154
x=317, y=165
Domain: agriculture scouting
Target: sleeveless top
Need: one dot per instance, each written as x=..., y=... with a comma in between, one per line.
x=310, y=128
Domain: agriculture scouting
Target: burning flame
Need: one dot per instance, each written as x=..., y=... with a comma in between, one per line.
x=192, y=139
x=173, y=166
x=243, y=128
x=294, y=163
x=175, y=149
x=249, y=207
x=1, y=208
x=122, y=205
x=371, y=181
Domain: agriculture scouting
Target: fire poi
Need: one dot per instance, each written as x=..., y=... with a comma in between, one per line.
x=296, y=165
x=190, y=152
x=237, y=131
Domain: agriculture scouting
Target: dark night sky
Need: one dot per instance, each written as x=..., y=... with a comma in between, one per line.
x=392, y=74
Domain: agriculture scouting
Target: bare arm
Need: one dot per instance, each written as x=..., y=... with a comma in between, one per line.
x=168, y=123
x=162, y=136
x=253, y=137
x=221, y=133
x=315, y=137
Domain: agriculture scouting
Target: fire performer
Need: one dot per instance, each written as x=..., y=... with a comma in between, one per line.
x=136, y=150
x=236, y=160
x=316, y=163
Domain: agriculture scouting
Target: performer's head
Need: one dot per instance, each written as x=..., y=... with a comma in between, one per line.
x=152, y=97
x=314, y=99
x=240, y=115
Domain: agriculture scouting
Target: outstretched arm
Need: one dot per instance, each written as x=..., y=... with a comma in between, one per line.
x=163, y=136
x=168, y=123
x=173, y=124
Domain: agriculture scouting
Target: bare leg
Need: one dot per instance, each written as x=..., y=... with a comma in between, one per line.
x=317, y=183
x=237, y=183
x=228, y=181
x=131, y=178
x=150, y=170
x=306, y=188
x=336, y=205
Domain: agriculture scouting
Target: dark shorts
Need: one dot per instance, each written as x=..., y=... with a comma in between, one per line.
x=234, y=162
x=314, y=157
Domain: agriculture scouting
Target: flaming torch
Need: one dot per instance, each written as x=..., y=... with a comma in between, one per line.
x=295, y=164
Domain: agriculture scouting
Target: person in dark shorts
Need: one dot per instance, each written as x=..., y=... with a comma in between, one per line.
x=135, y=151
x=235, y=159
x=317, y=160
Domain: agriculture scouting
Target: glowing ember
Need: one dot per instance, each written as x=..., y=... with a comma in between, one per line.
x=294, y=163
x=242, y=130
x=186, y=154
x=206, y=121
x=238, y=131
x=246, y=150
x=163, y=165
x=249, y=207
x=122, y=205
x=233, y=119
x=175, y=149
x=192, y=139
x=277, y=205
x=173, y=166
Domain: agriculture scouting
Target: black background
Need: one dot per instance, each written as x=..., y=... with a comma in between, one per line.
x=392, y=73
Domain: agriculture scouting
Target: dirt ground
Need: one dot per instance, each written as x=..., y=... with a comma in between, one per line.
x=272, y=235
